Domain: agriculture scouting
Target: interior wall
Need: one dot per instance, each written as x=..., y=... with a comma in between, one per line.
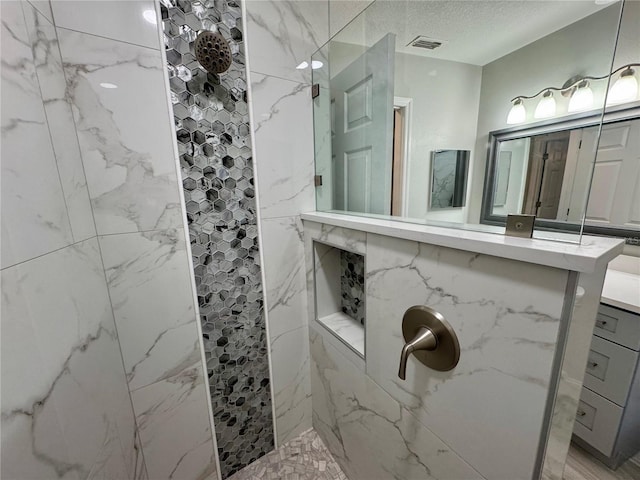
x=584, y=47
x=281, y=35
x=112, y=327
x=66, y=409
x=444, y=111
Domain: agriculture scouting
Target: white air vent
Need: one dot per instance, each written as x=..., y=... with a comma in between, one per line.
x=425, y=42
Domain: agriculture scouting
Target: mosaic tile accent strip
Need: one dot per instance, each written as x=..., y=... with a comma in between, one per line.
x=352, y=284
x=303, y=458
x=212, y=127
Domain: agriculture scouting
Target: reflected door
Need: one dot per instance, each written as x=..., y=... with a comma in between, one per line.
x=616, y=177
x=362, y=110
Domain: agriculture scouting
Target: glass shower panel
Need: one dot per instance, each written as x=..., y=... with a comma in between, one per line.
x=460, y=75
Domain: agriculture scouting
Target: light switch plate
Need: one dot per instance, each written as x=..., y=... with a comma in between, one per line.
x=520, y=225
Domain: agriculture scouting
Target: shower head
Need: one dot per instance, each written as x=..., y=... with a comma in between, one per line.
x=213, y=52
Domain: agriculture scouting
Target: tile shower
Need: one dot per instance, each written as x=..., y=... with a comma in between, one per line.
x=212, y=130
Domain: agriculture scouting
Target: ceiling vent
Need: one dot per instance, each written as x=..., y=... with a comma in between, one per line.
x=425, y=42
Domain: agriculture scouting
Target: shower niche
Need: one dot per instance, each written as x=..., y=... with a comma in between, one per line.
x=340, y=294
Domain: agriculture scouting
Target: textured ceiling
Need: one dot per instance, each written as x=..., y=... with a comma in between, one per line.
x=475, y=31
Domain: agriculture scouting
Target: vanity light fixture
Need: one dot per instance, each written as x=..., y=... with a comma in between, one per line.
x=546, y=106
x=517, y=114
x=625, y=89
x=582, y=98
x=578, y=89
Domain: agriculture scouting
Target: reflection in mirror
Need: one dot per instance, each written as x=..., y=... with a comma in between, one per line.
x=407, y=78
x=449, y=178
x=551, y=172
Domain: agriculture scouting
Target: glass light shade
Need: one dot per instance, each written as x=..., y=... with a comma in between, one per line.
x=624, y=90
x=582, y=99
x=546, y=106
x=517, y=114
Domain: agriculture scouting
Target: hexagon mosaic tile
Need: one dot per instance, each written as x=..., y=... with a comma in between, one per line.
x=212, y=128
x=352, y=285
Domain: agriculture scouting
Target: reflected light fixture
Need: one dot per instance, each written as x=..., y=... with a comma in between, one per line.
x=108, y=85
x=316, y=64
x=625, y=89
x=302, y=66
x=546, y=106
x=582, y=98
x=150, y=16
x=517, y=114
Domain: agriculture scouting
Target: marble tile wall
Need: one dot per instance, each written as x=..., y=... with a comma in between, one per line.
x=507, y=319
x=211, y=118
x=66, y=409
x=104, y=173
x=281, y=35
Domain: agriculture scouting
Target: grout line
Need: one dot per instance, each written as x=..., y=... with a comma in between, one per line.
x=108, y=38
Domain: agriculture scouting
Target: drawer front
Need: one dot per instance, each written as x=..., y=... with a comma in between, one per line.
x=597, y=421
x=619, y=326
x=610, y=369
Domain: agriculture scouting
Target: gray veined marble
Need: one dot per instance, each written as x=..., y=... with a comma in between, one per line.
x=34, y=214
x=73, y=418
x=127, y=156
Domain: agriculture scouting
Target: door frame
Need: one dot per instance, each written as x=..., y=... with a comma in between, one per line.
x=406, y=104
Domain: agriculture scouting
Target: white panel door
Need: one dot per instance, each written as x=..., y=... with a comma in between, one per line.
x=615, y=195
x=362, y=98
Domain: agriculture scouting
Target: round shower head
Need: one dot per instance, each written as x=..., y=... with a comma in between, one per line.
x=213, y=52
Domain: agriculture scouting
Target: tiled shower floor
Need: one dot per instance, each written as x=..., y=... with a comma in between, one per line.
x=303, y=458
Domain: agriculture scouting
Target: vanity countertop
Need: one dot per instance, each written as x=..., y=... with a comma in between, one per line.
x=622, y=290
x=585, y=257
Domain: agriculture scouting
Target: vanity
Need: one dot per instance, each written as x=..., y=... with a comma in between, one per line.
x=608, y=416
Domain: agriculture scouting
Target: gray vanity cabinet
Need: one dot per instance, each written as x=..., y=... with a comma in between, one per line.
x=608, y=416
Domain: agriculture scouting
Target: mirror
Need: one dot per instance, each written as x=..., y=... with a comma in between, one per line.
x=406, y=79
x=449, y=178
x=550, y=172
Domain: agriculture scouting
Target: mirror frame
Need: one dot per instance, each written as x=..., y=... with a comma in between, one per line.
x=611, y=114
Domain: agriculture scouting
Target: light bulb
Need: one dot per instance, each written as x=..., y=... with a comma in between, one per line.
x=625, y=89
x=582, y=98
x=517, y=114
x=546, y=106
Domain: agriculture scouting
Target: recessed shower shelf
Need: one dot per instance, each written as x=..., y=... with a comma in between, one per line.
x=340, y=294
x=347, y=329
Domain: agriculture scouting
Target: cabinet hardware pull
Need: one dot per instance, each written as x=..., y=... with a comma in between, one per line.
x=593, y=364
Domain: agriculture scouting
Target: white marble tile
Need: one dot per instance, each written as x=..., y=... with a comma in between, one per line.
x=34, y=215
x=282, y=34
x=73, y=417
x=124, y=20
x=150, y=287
x=291, y=383
x=369, y=433
x=124, y=132
x=174, y=427
x=44, y=7
x=344, y=238
x=473, y=238
x=506, y=316
x=283, y=140
x=349, y=330
x=53, y=85
x=285, y=286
